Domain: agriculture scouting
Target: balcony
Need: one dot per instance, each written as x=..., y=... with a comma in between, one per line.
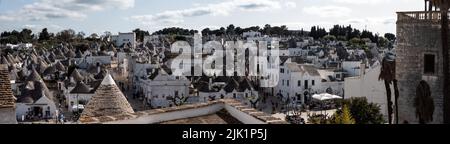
x=419, y=16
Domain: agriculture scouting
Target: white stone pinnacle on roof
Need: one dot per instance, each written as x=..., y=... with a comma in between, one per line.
x=108, y=80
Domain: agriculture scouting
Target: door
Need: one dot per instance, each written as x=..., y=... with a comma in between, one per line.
x=37, y=111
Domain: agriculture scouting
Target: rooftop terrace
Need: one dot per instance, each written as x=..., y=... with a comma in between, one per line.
x=202, y=113
x=419, y=16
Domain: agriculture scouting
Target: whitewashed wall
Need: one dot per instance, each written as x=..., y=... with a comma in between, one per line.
x=368, y=86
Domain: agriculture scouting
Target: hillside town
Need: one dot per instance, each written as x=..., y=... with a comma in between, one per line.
x=231, y=75
x=67, y=77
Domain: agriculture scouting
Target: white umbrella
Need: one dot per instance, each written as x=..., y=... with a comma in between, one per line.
x=325, y=96
x=77, y=107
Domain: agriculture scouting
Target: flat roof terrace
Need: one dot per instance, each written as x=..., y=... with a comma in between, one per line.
x=221, y=117
x=419, y=16
x=224, y=111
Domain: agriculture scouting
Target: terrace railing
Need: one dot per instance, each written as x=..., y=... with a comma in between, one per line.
x=433, y=16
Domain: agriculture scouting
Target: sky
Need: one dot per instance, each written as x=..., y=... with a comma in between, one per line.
x=98, y=16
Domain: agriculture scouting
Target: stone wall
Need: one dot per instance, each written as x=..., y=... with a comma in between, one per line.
x=415, y=38
x=7, y=116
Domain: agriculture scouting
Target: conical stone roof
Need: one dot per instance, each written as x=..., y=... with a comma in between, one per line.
x=34, y=76
x=80, y=88
x=77, y=76
x=60, y=66
x=7, y=98
x=107, y=101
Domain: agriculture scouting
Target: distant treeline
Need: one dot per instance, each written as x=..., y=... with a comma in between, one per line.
x=345, y=33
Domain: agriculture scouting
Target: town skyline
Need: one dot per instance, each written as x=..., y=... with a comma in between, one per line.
x=121, y=16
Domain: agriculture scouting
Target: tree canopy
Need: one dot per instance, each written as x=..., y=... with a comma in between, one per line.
x=175, y=31
x=363, y=112
x=140, y=34
x=14, y=37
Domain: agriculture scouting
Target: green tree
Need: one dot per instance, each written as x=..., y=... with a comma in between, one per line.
x=175, y=31
x=363, y=112
x=382, y=42
x=267, y=29
x=330, y=38
x=356, y=42
x=239, y=30
x=94, y=36
x=231, y=29
x=390, y=36
x=344, y=117
x=44, y=35
x=66, y=35
x=140, y=34
x=81, y=35
x=206, y=31
x=26, y=36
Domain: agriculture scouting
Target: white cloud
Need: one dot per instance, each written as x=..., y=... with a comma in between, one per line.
x=217, y=9
x=290, y=4
x=38, y=28
x=54, y=9
x=361, y=1
x=91, y=4
x=328, y=11
x=371, y=20
x=375, y=24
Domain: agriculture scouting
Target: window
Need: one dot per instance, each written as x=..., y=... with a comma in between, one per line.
x=234, y=95
x=282, y=70
x=306, y=84
x=313, y=82
x=176, y=93
x=299, y=83
x=429, y=64
x=287, y=82
x=338, y=76
x=282, y=83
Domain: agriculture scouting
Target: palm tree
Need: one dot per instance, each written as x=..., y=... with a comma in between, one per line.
x=388, y=75
x=424, y=103
x=444, y=6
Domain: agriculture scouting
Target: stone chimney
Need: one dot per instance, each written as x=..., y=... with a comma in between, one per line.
x=210, y=83
x=98, y=68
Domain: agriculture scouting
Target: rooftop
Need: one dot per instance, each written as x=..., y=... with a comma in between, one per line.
x=221, y=117
x=7, y=98
x=108, y=100
x=211, y=112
